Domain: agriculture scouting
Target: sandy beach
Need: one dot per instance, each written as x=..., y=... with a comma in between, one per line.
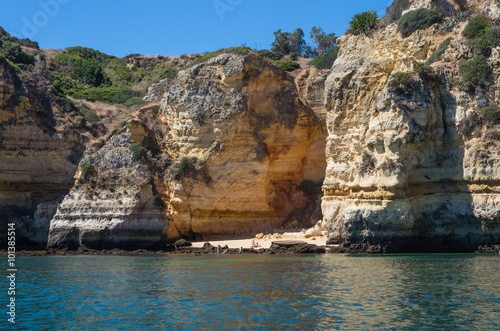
x=266, y=241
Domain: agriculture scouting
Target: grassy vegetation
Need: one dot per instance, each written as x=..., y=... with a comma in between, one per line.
x=88, y=170
x=402, y=83
x=425, y=71
x=476, y=27
x=476, y=72
x=88, y=115
x=11, y=53
x=418, y=20
x=182, y=168
x=82, y=115
x=112, y=95
x=491, y=115
x=326, y=60
x=271, y=55
x=436, y=56
x=84, y=70
x=134, y=101
x=138, y=152
x=363, y=22
x=89, y=74
x=489, y=38
x=288, y=65
x=208, y=56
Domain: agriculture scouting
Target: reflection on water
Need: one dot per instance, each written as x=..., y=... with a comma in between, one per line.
x=439, y=291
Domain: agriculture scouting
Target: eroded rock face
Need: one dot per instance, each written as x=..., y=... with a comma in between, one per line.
x=311, y=88
x=115, y=204
x=401, y=172
x=37, y=160
x=254, y=143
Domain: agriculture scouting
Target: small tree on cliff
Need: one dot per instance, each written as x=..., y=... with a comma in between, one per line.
x=324, y=42
x=289, y=42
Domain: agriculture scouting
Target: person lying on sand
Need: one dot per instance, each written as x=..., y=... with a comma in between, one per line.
x=255, y=244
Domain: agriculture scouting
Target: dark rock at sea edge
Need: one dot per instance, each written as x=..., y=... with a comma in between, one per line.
x=425, y=244
x=182, y=243
x=296, y=246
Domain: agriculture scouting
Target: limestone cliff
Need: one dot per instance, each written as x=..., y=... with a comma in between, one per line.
x=236, y=147
x=37, y=158
x=402, y=172
x=114, y=202
x=240, y=120
x=232, y=152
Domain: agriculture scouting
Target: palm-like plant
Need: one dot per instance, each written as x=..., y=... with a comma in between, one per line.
x=363, y=22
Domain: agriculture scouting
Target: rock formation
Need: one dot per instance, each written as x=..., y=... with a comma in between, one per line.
x=401, y=172
x=38, y=158
x=240, y=118
x=114, y=203
x=237, y=147
x=241, y=145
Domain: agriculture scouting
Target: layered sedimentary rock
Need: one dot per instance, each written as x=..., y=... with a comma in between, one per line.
x=311, y=88
x=114, y=203
x=251, y=141
x=402, y=172
x=37, y=160
x=232, y=152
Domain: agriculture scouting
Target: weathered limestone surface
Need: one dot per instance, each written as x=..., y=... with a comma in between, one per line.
x=249, y=141
x=311, y=88
x=254, y=141
x=400, y=171
x=37, y=160
x=116, y=207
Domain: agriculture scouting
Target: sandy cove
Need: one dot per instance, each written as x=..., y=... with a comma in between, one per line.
x=265, y=241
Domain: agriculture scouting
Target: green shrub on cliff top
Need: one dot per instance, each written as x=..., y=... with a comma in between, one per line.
x=86, y=70
x=476, y=72
x=439, y=51
x=425, y=71
x=476, y=27
x=363, y=22
x=138, y=152
x=418, y=20
x=288, y=65
x=88, y=170
x=491, y=115
x=272, y=55
x=89, y=115
x=14, y=53
x=402, y=83
x=326, y=60
x=484, y=43
x=182, y=168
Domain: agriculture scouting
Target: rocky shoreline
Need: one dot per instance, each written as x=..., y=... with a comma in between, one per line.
x=287, y=247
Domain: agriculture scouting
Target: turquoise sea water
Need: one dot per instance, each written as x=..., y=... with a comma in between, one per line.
x=249, y=292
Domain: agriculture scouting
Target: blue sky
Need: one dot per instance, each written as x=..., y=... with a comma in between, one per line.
x=166, y=27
